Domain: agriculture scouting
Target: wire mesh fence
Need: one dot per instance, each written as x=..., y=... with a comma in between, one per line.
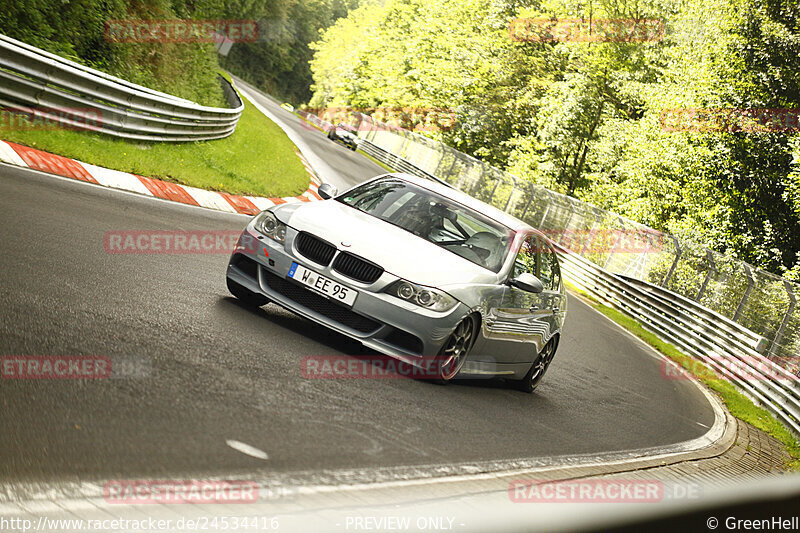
x=759, y=301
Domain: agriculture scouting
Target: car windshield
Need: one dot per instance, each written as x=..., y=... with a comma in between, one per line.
x=452, y=226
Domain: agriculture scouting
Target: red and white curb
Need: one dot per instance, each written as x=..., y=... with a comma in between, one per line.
x=25, y=156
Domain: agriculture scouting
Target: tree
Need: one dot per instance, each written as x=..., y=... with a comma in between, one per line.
x=591, y=117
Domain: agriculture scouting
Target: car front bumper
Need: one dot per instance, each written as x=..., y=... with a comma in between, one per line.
x=379, y=321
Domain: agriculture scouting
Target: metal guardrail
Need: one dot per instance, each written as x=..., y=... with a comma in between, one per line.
x=393, y=160
x=324, y=125
x=760, y=301
x=733, y=351
x=49, y=87
x=396, y=162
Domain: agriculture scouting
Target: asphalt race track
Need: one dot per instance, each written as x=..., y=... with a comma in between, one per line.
x=341, y=166
x=209, y=370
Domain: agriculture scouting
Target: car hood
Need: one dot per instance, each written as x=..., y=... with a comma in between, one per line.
x=399, y=252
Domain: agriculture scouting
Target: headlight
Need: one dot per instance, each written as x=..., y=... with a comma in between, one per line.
x=268, y=224
x=426, y=297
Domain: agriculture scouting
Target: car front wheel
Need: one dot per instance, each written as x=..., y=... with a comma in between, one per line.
x=455, y=350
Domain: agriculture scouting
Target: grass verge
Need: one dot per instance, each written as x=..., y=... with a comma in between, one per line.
x=258, y=159
x=738, y=404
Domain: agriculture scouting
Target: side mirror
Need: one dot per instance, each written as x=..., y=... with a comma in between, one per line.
x=326, y=191
x=527, y=282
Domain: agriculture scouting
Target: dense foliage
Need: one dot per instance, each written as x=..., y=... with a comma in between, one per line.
x=590, y=118
x=75, y=29
x=584, y=118
x=279, y=61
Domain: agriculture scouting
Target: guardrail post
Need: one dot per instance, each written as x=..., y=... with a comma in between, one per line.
x=571, y=214
x=362, y=119
x=530, y=201
x=779, y=336
x=403, y=147
x=678, y=252
x=496, y=183
x=544, y=216
x=449, y=170
x=711, y=270
x=370, y=128
x=567, y=225
x=616, y=243
x=367, y=126
x=511, y=194
x=750, y=283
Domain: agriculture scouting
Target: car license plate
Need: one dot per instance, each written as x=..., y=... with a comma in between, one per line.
x=328, y=287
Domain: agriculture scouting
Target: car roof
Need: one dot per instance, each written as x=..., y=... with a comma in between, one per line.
x=454, y=194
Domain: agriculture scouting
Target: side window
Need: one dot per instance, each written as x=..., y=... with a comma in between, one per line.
x=549, y=272
x=526, y=258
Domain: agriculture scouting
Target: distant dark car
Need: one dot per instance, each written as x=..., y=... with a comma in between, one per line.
x=345, y=134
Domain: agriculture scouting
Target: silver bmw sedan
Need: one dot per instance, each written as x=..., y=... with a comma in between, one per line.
x=412, y=269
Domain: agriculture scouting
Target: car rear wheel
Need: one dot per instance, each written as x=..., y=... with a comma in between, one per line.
x=246, y=295
x=539, y=367
x=456, y=348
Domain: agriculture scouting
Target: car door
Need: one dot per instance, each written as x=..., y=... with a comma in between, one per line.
x=552, y=299
x=520, y=322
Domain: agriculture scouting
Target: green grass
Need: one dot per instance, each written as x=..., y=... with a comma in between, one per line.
x=258, y=159
x=738, y=404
